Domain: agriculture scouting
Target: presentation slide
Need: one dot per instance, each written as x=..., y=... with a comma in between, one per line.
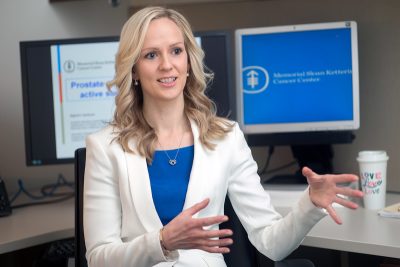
x=82, y=102
x=297, y=77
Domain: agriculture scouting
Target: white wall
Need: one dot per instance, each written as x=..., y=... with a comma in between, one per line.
x=379, y=44
x=22, y=20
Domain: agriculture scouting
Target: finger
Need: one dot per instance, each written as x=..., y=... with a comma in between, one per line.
x=312, y=177
x=346, y=203
x=346, y=191
x=217, y=233
x=307, y=172
x=216, y=242
x=331, y=211
x=202, y=222
x=198, y=207
x=222, y=250
x=345, y=178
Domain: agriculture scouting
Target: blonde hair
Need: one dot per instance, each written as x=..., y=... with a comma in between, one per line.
x=129, y=121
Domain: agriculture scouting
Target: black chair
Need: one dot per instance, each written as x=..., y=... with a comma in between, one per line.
x=242, y=254
x=80, y=248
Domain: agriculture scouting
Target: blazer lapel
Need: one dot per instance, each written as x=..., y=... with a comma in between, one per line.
x=139, y=183
x=195, y=190
x=140, y=188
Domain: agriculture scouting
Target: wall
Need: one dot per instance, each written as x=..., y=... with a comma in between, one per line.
x=379, y=45
x=38, y=20
x=379, y=58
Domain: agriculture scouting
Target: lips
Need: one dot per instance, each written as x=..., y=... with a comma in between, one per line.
x=167, y=80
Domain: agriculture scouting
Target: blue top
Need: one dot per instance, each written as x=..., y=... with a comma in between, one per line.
x=169, y=183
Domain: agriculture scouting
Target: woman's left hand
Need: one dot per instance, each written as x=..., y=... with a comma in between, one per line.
x=324, y=191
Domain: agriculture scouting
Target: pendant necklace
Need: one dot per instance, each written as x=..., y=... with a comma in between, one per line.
x=171, y=161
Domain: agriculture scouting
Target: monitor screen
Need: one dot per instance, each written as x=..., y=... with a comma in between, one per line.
x=66, y=98
x=297, y=78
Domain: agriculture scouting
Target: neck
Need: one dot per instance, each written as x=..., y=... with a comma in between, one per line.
x=170, y=124
x=167, y=120
x=165, y=116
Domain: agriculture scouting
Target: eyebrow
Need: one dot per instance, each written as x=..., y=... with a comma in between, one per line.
x=155, y=48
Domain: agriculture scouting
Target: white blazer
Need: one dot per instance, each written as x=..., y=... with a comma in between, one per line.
x=121, y=224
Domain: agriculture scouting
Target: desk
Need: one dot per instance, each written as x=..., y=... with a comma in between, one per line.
x=35, y=225
x=363, y=231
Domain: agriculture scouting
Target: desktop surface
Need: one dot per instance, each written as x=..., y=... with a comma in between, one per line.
x=362, y=231
x=35, y=225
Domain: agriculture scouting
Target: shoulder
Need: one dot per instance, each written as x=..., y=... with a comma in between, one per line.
x=219, y=129
x=234, y=133
x=227, y=123
x=232, y=126
x=104, y=136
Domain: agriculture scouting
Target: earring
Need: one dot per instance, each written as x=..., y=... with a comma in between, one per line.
x=136, y=83
x=187, y=74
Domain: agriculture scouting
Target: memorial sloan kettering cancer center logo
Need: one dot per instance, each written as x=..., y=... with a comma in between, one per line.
x=69, y=66
x=255, y=79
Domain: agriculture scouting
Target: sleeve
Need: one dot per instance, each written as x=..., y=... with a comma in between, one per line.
x=272, y=235
x=102, y=214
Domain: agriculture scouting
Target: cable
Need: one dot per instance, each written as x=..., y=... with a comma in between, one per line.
x=47, y=191
x=284, y=166
x=270, y=152
x=66, y=196
x=61, y=181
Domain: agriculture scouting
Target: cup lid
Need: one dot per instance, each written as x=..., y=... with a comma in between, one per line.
x=372, y=155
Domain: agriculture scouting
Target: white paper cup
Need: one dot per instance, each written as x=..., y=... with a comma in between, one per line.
x=373, y=166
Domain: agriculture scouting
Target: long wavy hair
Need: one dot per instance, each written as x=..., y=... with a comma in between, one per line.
x=129, y=121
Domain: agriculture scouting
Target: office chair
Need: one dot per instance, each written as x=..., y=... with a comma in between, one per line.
x=80, y=248
x=242, y=254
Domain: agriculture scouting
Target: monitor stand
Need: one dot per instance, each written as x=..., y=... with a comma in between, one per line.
x=317, y=157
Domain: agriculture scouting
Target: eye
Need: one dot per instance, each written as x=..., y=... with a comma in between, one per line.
x=177, y=51
x=150, y=55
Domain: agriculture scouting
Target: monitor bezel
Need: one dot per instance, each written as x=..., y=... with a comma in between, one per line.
x=24, y=45
x=298, y=127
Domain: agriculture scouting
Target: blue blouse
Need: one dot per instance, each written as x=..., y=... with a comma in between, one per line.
x=169, y=183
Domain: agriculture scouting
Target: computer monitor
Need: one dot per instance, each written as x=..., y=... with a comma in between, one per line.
x=298, y=85
x=65, y=96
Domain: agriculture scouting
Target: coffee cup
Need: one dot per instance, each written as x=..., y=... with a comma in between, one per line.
x=373, y=165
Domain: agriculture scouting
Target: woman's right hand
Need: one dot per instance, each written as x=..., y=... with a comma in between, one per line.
x=186, y=232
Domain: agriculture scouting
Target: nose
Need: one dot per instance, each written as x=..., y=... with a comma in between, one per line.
x=165, y=63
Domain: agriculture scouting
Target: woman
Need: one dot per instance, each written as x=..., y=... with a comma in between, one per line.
x=157, y=177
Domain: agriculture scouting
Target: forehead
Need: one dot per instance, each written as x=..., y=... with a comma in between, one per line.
x=162, y=31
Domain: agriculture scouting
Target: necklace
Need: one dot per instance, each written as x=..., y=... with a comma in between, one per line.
x=171, y=161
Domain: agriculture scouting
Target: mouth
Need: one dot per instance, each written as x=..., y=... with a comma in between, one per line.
x=167, y=80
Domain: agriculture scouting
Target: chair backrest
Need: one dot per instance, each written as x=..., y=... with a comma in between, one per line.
x=80, y=248
x=242, y=254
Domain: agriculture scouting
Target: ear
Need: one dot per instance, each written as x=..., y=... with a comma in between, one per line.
x=134, y=75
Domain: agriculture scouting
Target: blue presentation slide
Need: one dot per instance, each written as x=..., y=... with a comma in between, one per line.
x=296, y=77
